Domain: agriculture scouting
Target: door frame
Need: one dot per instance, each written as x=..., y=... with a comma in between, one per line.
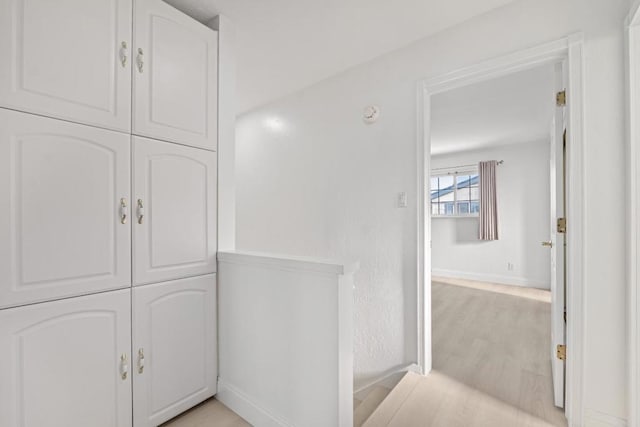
x=632, y=36
x=570, y=50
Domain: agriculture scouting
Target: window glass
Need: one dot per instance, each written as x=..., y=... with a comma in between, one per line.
x=455, y=194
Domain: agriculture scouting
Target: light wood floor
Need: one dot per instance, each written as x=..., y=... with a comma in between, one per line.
x=492, y=366
x=211, y=413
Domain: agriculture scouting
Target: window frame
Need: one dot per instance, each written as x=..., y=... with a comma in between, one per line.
x=454, y=172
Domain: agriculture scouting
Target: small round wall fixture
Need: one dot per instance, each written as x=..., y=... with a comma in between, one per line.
x=371, y=114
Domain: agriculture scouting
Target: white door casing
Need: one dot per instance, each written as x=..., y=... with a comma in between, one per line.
x=61, y=231
x=568, y=49
x=61, y=363
x=556, y=168
x=176, y=187
x=67, y=59
x=175, y=76
x=174, y=347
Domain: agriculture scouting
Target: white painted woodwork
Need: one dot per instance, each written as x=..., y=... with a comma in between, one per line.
x=64, y=59
x=175, y=76
x=177, y=187
x=60, y=363
x=286, y=323
x=557, y=250
x=60, y=217
x=174, y=326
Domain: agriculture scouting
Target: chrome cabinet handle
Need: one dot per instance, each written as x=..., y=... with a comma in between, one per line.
x=140, y=360
x=140, y=59
x=123, y=210
x=123, y=54
x=124, y=366
x=140, y=211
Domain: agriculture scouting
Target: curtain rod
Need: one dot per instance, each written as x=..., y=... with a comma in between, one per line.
x=463, y=166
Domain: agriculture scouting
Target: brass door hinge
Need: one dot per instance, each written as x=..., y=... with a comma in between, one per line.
x=561, y=98
x=561, y=352
x=562, y=225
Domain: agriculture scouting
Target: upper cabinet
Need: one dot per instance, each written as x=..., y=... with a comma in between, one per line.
x=68, y=59
x=75, y=60
x=175, y=76
x=64, y=209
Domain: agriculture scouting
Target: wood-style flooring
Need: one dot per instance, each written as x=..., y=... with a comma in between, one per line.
x=491, y=360
x=211, y=413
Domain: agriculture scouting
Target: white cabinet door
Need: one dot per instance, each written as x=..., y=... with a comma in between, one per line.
x=174, y=347
x=175, y=77
x=61, y=231
x=175, y=227
x=66, y=59
x=60, y=363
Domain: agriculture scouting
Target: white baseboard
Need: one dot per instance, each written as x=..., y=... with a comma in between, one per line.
x=593, y=418
x=385, y=379
x=243, y=405
x=492, y=278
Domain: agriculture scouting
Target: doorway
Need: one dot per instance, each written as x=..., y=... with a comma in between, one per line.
x=567, y=54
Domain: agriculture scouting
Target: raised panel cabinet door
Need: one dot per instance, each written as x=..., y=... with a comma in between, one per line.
x=64, y=194
x=175, y=76
x=174, y=210
x=68, y=59
x=62, y=364
x=174, y=347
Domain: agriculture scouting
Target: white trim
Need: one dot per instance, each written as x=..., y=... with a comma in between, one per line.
x=242, y=404
x=492, y=278
x=385, y=376
x=632, y=30
x=569, y=49
x=288, y=262
x=593, y=418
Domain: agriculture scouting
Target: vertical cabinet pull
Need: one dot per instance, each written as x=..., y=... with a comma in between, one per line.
x=141, y=361
x=140, y=211
x=123, y=54
x=124, y=366
x=123, y=210
x=140, y=59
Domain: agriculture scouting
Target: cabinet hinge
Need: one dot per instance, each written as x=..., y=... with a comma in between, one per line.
x=561, y=98
x=562, y=225
x=561, y=352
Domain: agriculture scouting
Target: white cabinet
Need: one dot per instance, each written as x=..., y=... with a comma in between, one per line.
x=175, y=77
x=61, y=189
x=175, y=211
x=61, y=363
x=174, y=336
x=66, y=59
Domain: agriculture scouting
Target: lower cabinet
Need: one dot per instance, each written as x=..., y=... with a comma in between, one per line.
x=70, y=363
x=174, y=338
x=66, y=363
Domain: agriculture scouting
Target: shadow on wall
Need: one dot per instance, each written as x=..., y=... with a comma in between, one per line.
x=467, y=230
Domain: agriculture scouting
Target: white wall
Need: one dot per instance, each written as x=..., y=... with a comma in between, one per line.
x=326, y=184
x=286, y=339
x=523, y=220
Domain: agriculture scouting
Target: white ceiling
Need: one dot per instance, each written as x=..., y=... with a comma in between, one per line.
x=286, y=45
x=513, y=109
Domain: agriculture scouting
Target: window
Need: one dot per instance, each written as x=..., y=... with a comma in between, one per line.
x=455, y=193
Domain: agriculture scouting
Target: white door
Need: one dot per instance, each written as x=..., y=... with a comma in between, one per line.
x=174, y=347
x=62, y=186
x=175, y=77
x=557, y=248
x=61, y=363
x=175, y=211
x=66, y=59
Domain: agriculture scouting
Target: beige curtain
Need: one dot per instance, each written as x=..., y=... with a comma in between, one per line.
x=488, y=201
